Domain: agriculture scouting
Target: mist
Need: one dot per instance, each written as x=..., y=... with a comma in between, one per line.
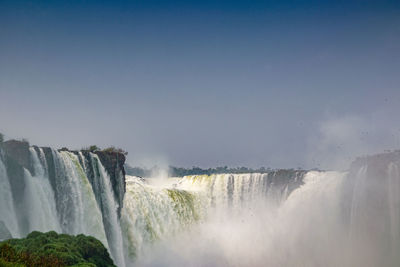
x=309, y=228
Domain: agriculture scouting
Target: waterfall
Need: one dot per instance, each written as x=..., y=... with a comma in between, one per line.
x=39, y=197
x=279, y=218
x=152, y=213
x=109, y=210
x=252, y=220
x=7, y=211
x=77, y=206
x=238, y=190
x=61, y=191
x=374, y=215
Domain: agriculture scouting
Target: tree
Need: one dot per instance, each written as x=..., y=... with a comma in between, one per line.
x=114, y=149
x=1, y=138
x=93, y=148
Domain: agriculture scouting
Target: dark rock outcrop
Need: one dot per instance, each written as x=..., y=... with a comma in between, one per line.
x=51, y=169
x=18, y=151
x=17, y=157
x=286, y=178
x=114, y=162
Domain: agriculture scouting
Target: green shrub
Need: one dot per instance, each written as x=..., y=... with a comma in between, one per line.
x=52, y=249
x=115, y=150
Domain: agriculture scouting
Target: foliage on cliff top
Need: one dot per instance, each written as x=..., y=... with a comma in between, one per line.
x=52, y=249
x=115, y=150
x=111, y=149
x=180, y=172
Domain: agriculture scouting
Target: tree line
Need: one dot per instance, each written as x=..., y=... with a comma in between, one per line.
x=180, y=172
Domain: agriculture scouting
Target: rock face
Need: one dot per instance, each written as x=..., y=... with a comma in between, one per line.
x=113, y=162
x=286, y=177
x=114, y=165
x=16, y=155
x=18, y=151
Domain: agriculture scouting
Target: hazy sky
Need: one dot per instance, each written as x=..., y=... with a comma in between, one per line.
x=205, y=83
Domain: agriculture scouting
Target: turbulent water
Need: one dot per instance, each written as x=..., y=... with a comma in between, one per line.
x=280, y=218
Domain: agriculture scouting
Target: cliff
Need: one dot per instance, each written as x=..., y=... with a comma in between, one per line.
x=16, y=156
x=114, y=162
x=371, y=183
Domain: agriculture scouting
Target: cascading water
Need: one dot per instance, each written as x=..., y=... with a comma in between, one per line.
x=7, y=211
x=279, y=218
x=238, y=190
x=39, y=197
x=109, y=210
x=56, y=194
x=251, y=220
x=77, y=207
x=152, y=213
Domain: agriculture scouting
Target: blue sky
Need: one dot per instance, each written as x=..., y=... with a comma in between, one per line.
x=205, y=83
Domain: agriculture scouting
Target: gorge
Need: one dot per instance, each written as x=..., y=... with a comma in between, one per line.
x=276, y=218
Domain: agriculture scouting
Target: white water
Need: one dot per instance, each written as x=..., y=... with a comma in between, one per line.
x=235, y=191
x=259, y=232
x=7, y=211
x=110, y=208
x=79, y=210
x=240, y=226
x=282, y=218
x=39, y=198
x=152, y=213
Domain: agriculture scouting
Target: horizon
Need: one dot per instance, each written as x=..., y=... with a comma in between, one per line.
x=162, y=167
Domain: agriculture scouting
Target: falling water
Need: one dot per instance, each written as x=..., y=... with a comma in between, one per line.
x=394, y=207
x=152, y=213
x=61, y=199
x=39, y=197
x=7, y=212
x=279, y=218
x=109, y=210
x=78, y=209
x=247, y=220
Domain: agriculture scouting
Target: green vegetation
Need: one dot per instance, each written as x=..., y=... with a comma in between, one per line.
x=52, y=249
x=180, y=172
x=1, y=138
x=111, y=149
x=91, y=148
x=174, y=171
x=116, y=150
